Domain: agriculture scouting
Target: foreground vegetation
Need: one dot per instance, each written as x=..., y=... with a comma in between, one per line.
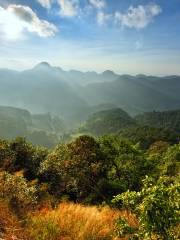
x=90, y=188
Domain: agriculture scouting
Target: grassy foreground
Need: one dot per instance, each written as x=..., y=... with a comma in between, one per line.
x=67, y=222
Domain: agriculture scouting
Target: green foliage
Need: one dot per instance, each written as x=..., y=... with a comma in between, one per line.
x=92, y=171
x=75, y=168
x=86, y=165
x=15, y=189
x=7, y=156
x=23, y=152
x=158, y=147
x=37, y=157
x=127, y=163
x=53, y=169
x=123, y=229
x=27, y=157
x=157, y=207
x=165, y=158
x=146, y=136
x=165, y=120
x=172, y=160
x=108, y=122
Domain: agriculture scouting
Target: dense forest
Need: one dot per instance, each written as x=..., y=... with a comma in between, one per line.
x=52, y=193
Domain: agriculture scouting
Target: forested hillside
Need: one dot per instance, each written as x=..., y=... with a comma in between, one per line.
x=40, y=129
x=167, y=119
x=108, y=122
x=47, y=130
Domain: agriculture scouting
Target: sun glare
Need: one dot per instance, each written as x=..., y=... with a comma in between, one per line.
x=11, y=26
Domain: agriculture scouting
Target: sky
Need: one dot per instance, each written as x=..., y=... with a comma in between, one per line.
x=126, y=36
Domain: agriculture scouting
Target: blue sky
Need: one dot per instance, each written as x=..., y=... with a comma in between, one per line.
x=127, y=36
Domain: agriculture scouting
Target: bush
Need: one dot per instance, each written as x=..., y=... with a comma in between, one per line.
x=16, y=191
x=157, y=207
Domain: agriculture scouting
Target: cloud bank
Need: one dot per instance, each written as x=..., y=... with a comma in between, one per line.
x=138, y=17
x=15, y=19
x=135, y=17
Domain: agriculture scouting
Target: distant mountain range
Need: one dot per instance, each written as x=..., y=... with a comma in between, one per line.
x=74, y=95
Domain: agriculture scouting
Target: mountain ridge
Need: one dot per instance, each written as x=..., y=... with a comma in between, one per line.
x=72, y=94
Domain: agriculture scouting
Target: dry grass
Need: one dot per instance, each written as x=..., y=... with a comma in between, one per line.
x=67, y=222
x=10, y=226
x=76, y=222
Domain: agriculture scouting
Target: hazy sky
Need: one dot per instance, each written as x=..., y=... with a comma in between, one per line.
x=127, y=36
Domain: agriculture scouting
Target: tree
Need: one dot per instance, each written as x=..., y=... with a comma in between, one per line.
x=127, y=164
x=53, y=170
x=171, y=161
x=86, y=166
x=75, y=169
x=7, y=156
x=27, y=157
x=23, y=152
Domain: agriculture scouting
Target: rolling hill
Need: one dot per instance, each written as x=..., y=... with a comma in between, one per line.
x=107, y=122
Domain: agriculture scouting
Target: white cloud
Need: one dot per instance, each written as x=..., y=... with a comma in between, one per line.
x=69, y=8
x=99, y=4
x=102, y=18
x=138, y=17
x=45, y=3
x=15, y=19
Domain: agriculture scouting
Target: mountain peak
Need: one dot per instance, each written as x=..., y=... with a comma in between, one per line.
x=108, y=72
x=42, y=65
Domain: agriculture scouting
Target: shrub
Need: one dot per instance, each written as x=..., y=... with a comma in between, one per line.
x=157, y=207
x=16, y=191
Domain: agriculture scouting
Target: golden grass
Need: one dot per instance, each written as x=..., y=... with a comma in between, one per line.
x=10, y=226
x=67, y=222
x=76, y=222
